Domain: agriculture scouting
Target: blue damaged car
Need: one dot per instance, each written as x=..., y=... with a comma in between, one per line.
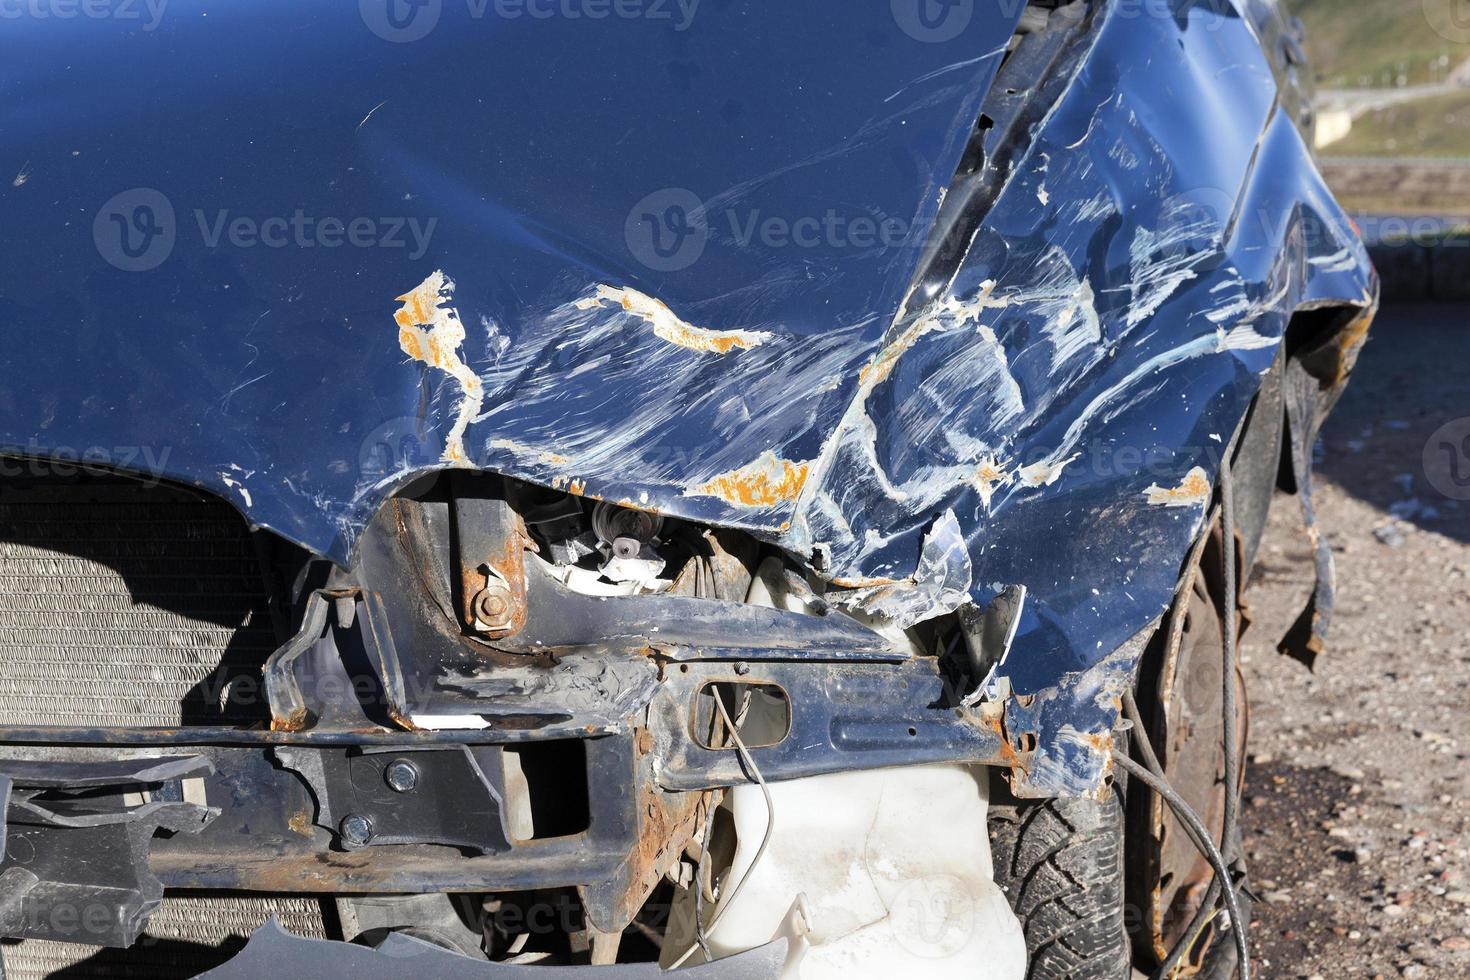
x=629, y=487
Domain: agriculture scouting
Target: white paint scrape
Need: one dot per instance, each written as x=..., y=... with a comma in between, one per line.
x=668, y=326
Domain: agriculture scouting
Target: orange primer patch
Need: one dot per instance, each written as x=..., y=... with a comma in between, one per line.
x=766, y=482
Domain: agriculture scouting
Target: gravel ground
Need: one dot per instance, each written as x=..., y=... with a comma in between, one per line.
x=1359, y=790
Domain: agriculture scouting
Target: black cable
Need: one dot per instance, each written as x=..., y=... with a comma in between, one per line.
x=1206, y=910
x=1232, y=736
x=1187, y=816
x=1144, y=743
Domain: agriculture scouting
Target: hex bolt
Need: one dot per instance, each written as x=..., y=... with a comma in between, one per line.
x=356, y=830
x=494, y=607
x=401, y=776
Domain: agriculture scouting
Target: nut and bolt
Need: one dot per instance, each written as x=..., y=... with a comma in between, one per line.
x=356, y=830
x=494, y=607
x=401, y=776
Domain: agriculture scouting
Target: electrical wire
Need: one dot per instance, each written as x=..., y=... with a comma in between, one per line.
x=1206, y=912
x=699, y=879
x=1187, y=816
x=765, y=840
x=1232, y=736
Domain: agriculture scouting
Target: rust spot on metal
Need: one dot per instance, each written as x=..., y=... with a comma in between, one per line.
x=766, y=482
x=1195, y=489
x=293, y=722
x=300, y=822
x=667, y=822
x=1006, y=754
x=430, y=332
x=989, y=475
x=863, y=583
x=401, y=719
x=495, y=600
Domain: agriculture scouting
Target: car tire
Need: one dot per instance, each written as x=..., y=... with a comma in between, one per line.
x=1060, y=863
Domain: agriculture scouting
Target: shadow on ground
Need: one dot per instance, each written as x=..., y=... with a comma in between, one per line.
x=1386, y=443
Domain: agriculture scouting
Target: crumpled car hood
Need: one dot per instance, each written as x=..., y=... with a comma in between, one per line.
x=506, y=168
x=601, y=307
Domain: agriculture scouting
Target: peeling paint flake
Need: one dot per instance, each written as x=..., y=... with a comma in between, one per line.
x=235, y=485
x=1044, y=473
x=1195, y=489
x=668, y=326
x=430, y=331
x=766, y=482
x=988, y=476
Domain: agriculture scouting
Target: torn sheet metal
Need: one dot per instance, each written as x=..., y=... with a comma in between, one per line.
x=940, y=585
x=638, y=331
x=1311, y=386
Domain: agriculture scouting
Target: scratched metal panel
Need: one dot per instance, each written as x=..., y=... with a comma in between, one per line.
x=536, y=157
x=1066, y=397
x=185, y=937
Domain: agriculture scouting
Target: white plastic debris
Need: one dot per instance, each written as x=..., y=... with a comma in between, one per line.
x=895, y=869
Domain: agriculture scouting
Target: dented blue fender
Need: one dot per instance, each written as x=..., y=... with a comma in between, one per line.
x=300, y=253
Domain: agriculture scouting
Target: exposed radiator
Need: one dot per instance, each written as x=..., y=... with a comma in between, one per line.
x=123, y=604
x=185, y=937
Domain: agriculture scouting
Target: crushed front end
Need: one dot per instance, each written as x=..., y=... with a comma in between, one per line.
x=552, y=594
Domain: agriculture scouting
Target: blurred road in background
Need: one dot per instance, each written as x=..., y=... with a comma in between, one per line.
x=1357, y=825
